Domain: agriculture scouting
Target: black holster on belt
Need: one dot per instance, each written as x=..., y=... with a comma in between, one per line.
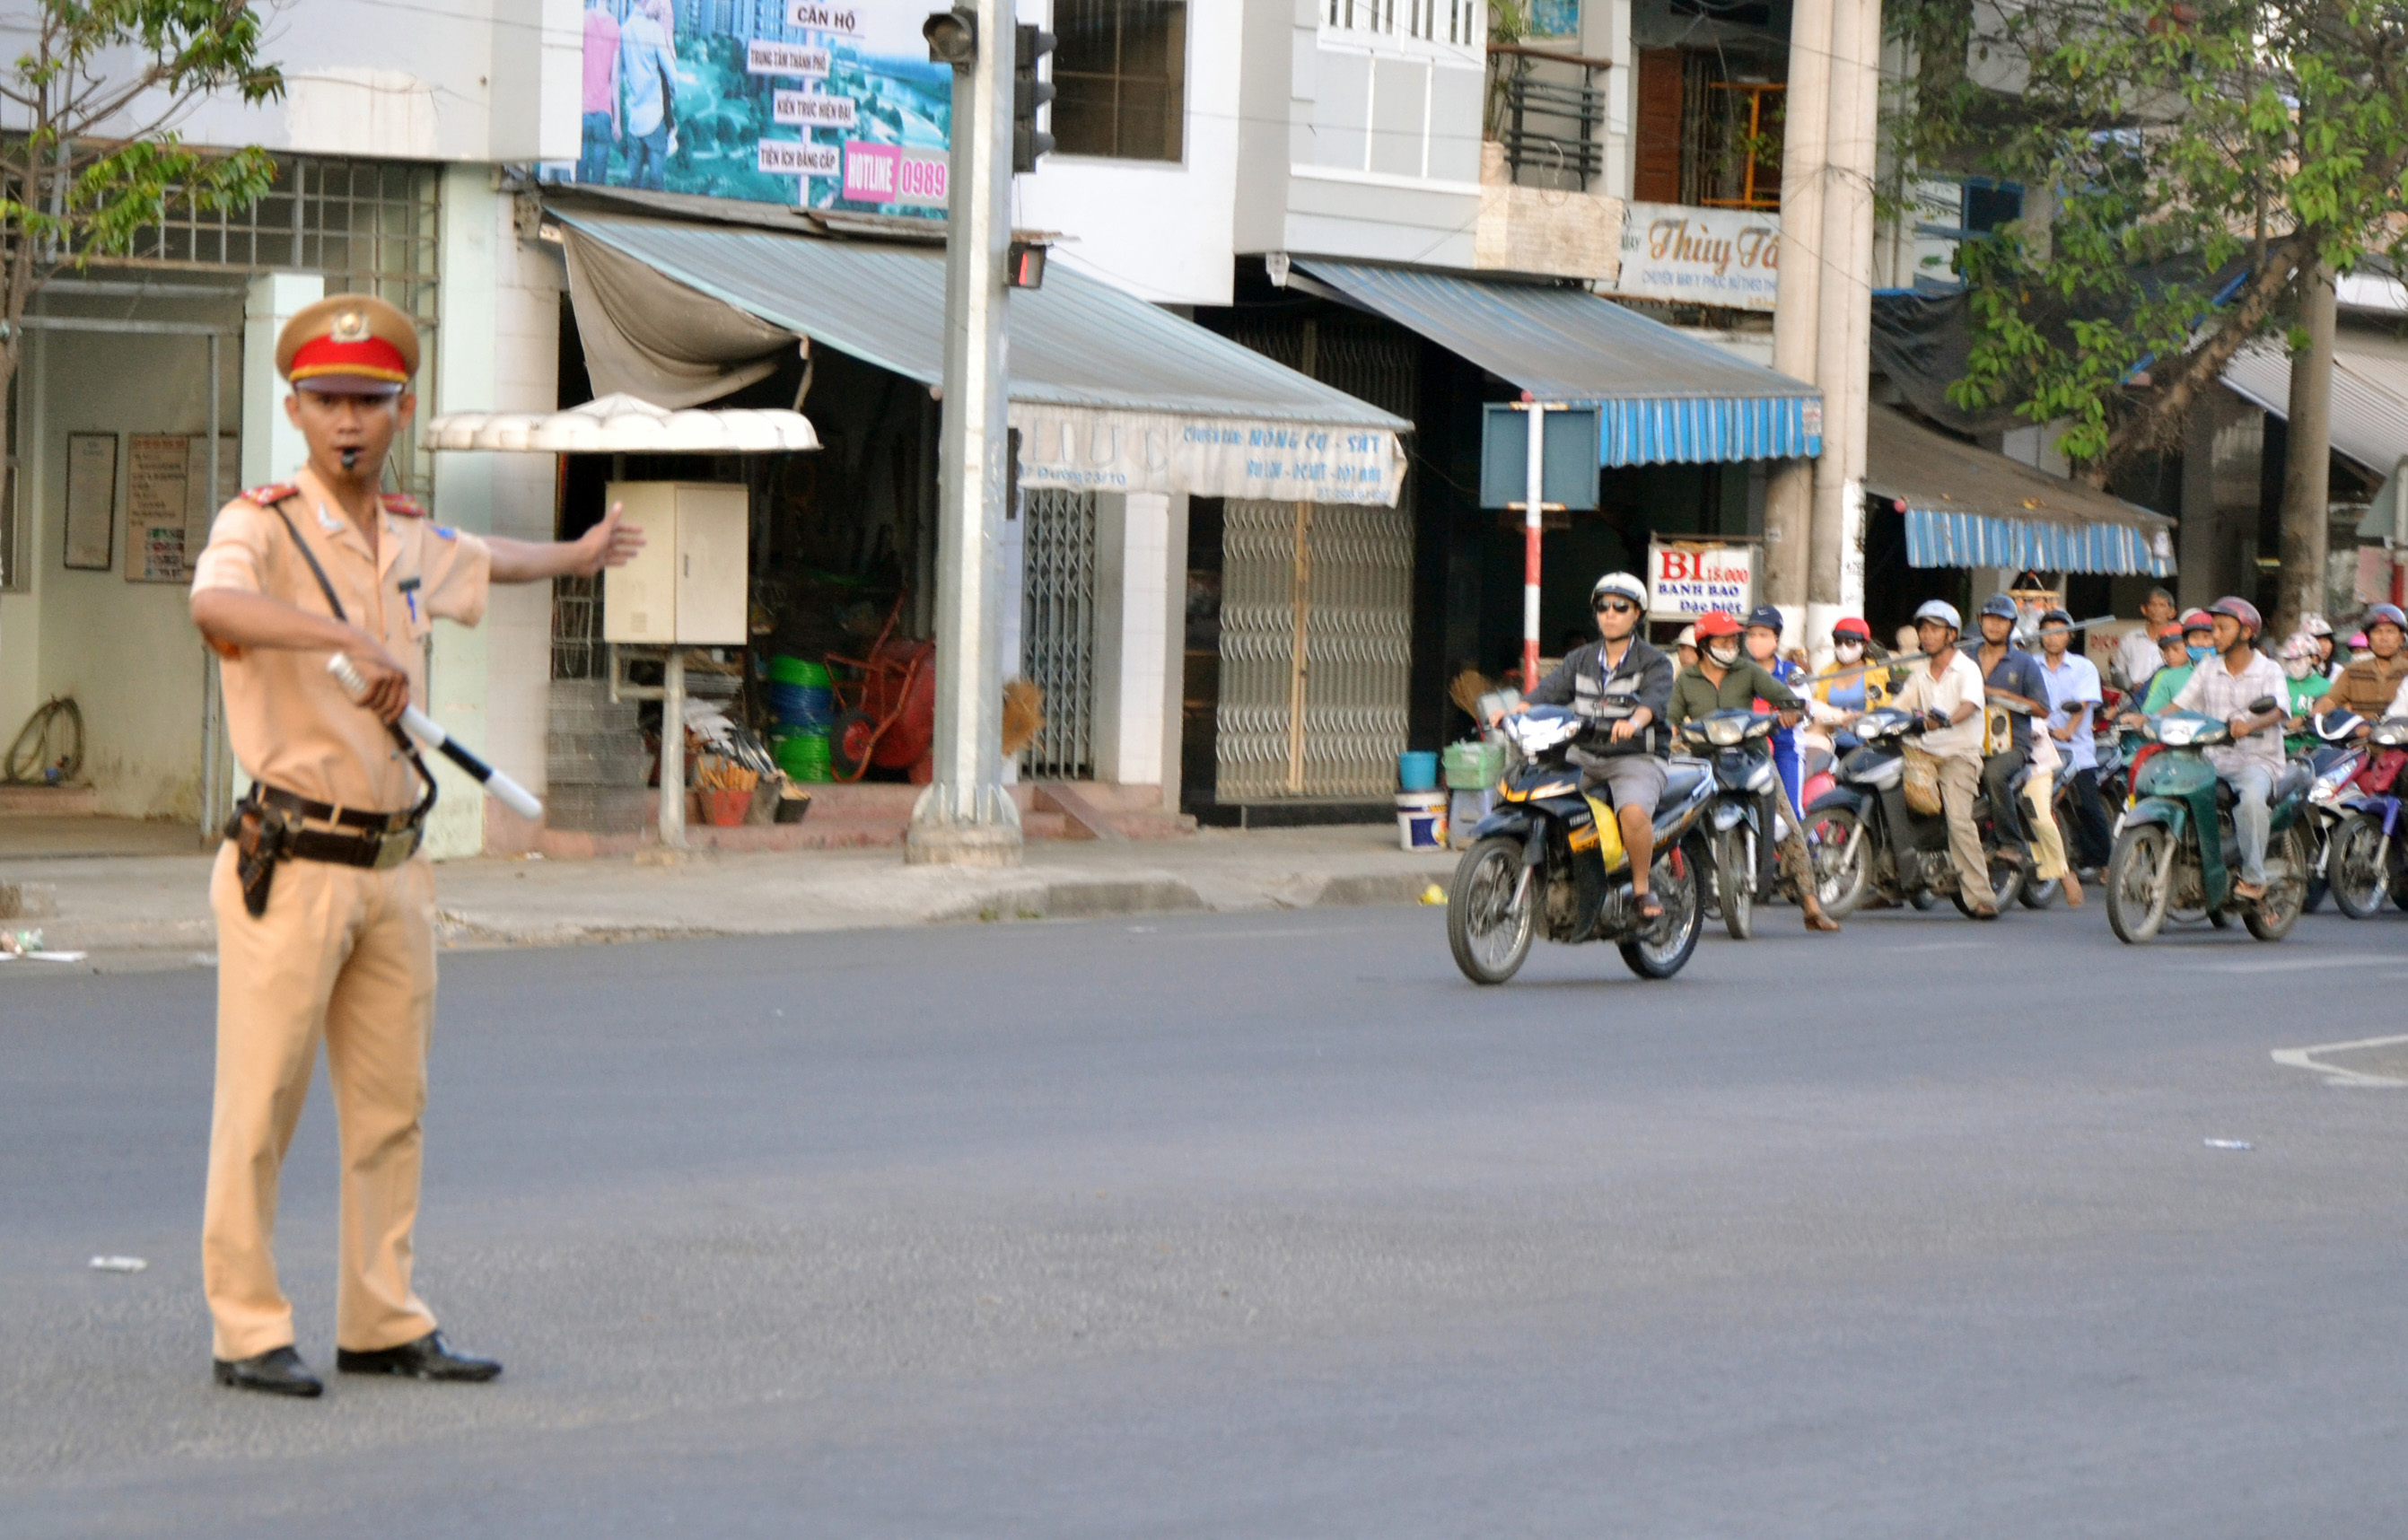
x=262, y=835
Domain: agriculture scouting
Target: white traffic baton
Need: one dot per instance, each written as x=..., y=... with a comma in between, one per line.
x=510, y=793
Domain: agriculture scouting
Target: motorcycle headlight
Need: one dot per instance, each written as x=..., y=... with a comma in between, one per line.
x=1727, y=733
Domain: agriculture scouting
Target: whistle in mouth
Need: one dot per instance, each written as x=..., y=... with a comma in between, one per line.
x=351, y=460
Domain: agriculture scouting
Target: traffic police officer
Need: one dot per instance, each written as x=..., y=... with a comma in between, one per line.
x=325, y=903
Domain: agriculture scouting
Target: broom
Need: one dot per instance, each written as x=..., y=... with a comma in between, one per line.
x=1024, y=714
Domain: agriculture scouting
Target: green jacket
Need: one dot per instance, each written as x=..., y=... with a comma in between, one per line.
x=1745, y=683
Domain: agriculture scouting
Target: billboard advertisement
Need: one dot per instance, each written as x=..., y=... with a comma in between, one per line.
x=822, y=105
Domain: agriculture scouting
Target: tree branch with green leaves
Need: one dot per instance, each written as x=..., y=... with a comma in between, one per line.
x=2184, y=162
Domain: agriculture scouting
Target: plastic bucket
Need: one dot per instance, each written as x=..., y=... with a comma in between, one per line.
x=1464, y=811
x=726, y=808
x=1416, y=771
x=1421, y=819
x=787, y=670
x=804, y=756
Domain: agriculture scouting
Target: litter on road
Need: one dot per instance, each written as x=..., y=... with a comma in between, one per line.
x=2230, y=1144
x=118, y=1265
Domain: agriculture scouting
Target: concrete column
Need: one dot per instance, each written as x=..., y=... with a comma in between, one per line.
x=1132, y=593
x=2307, y=458
x=1789, y=489
x=272, y=448
x=1843, y=334
x=496, y=348
x=1174, y=649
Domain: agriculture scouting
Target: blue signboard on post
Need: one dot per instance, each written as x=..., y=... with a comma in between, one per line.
x=1567, y=472
x=824, y=105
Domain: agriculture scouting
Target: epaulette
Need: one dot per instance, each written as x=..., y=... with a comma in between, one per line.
x=271, y=494
x=408, y=508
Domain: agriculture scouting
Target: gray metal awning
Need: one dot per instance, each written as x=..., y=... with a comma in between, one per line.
x=2369, y=393
x=1109, y=393
x=1967, y=506
x=1661, y=396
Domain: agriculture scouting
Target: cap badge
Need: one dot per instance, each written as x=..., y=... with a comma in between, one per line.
x=349, y=326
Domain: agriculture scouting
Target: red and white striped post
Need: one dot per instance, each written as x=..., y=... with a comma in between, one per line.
x=1533, y=516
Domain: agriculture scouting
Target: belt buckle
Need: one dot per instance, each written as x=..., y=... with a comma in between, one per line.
x=393, y=846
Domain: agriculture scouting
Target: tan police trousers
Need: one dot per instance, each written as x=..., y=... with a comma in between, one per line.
x=347, y=955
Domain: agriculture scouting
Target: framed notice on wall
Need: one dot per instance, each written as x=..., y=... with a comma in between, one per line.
x=158, y=484
x=91, y=500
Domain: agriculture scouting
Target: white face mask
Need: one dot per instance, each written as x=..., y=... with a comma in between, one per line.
x=1849, y=652
x=1723, y=653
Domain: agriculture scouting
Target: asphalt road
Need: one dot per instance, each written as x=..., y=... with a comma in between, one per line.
x=1247, y=1225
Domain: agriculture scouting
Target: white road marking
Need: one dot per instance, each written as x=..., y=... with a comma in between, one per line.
x=2335, y=1076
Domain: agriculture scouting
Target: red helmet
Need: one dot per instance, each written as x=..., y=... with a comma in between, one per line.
x=1716, y=622
x=2198, y=620
x=2239, y=609
x=1850, y=625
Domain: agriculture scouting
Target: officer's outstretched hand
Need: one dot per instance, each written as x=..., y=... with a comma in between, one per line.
x=608, y=544
x=388, y=690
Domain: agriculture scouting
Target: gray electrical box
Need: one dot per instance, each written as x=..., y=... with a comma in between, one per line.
x=1568, y=475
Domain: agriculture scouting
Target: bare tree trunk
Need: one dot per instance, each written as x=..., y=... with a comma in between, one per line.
x=2307, y=455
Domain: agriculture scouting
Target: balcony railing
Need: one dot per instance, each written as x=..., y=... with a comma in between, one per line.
x=1553, y=130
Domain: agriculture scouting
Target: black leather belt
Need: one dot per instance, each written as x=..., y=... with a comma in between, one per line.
x=382, y=840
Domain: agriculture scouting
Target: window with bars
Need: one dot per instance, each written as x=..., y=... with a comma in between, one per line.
x=370, y=227
x=1120, y=79
x=1456, y=22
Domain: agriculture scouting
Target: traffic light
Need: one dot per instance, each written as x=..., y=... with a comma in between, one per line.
x=1028, y=93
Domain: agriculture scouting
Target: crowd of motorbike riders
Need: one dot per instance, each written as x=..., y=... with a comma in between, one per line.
x=2025, y=759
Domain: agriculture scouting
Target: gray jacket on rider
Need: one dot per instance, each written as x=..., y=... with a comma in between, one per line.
x=1581, y=682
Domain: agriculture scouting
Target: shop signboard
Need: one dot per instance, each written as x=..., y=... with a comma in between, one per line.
x=1687, y=578
x=1084, y=449
x=1724, y=257
x=824, y=105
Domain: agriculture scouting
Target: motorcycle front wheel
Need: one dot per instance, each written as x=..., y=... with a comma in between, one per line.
x=2270, y=917
x=2137, y=884
x=2352, y=872
x=1486, y=929
x=1735, y=882
x=1675, y=880
x=1844, y=861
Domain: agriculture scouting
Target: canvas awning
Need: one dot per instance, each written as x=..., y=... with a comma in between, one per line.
x=1109, y=393
x=1965, y=506
x=1662, y=397
x=620, y=425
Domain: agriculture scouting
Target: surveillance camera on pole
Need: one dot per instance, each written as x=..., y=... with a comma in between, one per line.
x=1028, y=46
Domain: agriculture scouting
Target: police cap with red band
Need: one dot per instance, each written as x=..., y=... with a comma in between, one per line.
x=348, y=344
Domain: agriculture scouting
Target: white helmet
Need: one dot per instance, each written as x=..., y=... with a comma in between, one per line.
x=1941, y=611
x=1622, y=583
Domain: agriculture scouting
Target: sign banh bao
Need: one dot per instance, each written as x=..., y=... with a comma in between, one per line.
x=773, y=101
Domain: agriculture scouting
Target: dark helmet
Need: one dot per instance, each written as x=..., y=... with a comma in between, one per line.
x=2242, y=610
x=1766, y=616
x=2057, y=617
x=2000, y=605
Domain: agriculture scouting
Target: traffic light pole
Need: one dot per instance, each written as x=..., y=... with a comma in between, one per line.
x=967, y=816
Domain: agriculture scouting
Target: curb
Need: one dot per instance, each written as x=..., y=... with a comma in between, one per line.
x=1017, y=897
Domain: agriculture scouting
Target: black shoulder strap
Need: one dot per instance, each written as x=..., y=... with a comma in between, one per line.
x=427, y=803
x=315, y=570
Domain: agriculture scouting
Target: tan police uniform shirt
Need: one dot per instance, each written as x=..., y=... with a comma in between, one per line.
x=291, y=724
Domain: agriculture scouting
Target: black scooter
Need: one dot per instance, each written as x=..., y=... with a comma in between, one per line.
x=1866, y=841
x=1738, y=743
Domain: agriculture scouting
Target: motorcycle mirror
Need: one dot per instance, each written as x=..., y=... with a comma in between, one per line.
x=2262, y=704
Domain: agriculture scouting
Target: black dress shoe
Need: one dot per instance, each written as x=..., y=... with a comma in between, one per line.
x=425, y=1359
x=277, y=1371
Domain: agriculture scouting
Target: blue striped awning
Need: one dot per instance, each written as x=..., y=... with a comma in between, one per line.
x=1662, y=396
x=1937, y=537
x=1965, y=506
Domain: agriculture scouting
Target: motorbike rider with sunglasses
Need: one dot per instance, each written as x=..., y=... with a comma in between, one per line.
x=1623, y=684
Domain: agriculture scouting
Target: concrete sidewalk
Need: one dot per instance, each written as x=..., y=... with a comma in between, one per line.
x=132, y=908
